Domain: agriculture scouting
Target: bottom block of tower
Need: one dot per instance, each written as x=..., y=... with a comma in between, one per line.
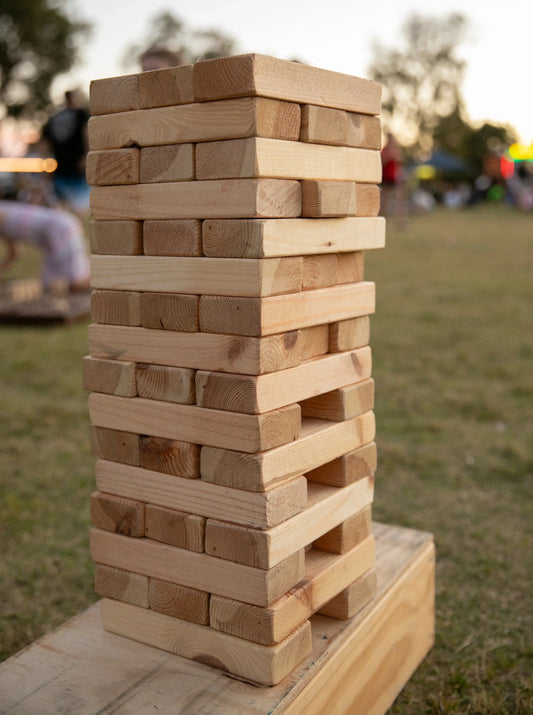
x=355, y=666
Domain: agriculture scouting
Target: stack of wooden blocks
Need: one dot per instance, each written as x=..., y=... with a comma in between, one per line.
x=229, y=366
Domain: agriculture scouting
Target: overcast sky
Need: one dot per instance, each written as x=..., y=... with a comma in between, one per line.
x=336, y=35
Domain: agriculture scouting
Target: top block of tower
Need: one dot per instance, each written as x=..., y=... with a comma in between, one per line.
x=250, y=75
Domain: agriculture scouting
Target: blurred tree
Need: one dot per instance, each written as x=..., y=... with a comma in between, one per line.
x=38, y=41
x=166, y=31
x=421, y=80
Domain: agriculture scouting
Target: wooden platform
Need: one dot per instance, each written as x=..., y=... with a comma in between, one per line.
x=23, y=301
x=356, y=666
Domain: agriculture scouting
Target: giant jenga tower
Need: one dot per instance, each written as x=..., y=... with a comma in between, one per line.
x=229, y=365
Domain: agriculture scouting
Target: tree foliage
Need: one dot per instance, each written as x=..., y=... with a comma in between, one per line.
x=38, y=42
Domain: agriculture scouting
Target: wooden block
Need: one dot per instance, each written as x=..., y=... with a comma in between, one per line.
x=347, y=534
x=350, y=267
x=276, y=314
x=325, y=574
x=349, y=334
x=173, y=162
x=121, y=585
x=194, y=496
x=265, y=76
x=342, y=403
x=166, y=87
x=321, y=125
x=170, y=311
x=255, y=395
x=113, y=166
x=110, y=376
x=176, y=528
x=266, y=665
x=276, y=158
x=194, y=570
x=367, y=199
x=320, y=442
x=116, y=307
x=192, y=274
x=262, y=238
x=326, y=508
x=315, y=341
x=116, y=237
x=177, y=601
x=117, y=514
x=114, y=94
x=328, y=198
x=170, y=456
x=115, y=445
x=171, y=384
x=238, y=198
x=199, y=425
x=230, y=353
x=352, y=466
x=353, y=598
x=182, y=237
x=320, y=271
x=228, y=119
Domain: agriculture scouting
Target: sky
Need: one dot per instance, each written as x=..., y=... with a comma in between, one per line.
x=335, y=34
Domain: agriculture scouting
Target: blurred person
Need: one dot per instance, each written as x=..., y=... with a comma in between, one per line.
x=66, y=135
x=57, y=233
x=158, y=58
x=393, y=180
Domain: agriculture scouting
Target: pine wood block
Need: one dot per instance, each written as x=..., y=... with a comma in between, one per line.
x=350, y=267
x=199, y=425
x=110, y=376
x=347, y=534
x=325, y=575
x=116, y=307
x=257, y=157
x=191, y=274
x=171, y=456
x=315, y=341
x=258, y=510
x=320, y=271
x=171, y=384
x=113, y=166
x=116, y=237
x=176, y=528
x=195, y=570
x=227, y=119
x=255, y=395
x=166, y=87
x=230, y=353
x=170, y=311
x=117, y=514
x=322, y=125
x=177, y=601
x=319, y=443
x=233, y=198
x=261, y=75
x=328, y=198
x=353, y=598
x=182, y=237
x=115, y=445
x=326, y=508
x=275, y=314
x=350, y=467
x=263, y=238
x=342, y=403
x=368, y=199
x=121, y=585
x=174, y=162
x=349, y=334
x=114, y=94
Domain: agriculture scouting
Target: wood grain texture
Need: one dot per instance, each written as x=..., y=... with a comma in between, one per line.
x=349, y=334
x=171, y=384
x=174, y=162
x=368, y=199
x=180, y=237
x=116, y=445
x=166, y=87
x=176, y=528
x=351, y=600
x=347, y=534
x=117, y=514
x=116, y=307
x=170, y=456
x=350, y=267
x=114, y=166
x=114, y=94
x=109, y=376
x=355, y=464
x=116, y=237
x=177, y=601
x=170, y=311
x=342, y=403
x=320, y=271
x=322, y=125
x=121, y=585
x=328, y=198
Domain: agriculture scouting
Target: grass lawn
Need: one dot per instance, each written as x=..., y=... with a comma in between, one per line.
x=452, y=342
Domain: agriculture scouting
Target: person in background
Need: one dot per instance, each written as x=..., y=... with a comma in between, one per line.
x=57, y=233
x=66, y=136
x=158, y=58
x=393, y=183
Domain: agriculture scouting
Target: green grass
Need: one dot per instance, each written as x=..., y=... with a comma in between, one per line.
x=452, y=342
